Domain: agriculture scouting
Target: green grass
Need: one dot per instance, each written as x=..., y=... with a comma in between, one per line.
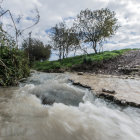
x=78, y=60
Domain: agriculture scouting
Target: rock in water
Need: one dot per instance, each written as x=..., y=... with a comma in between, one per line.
x=108, y=91
x=80, y=73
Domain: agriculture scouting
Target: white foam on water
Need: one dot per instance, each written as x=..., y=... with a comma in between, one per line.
x=23, y=117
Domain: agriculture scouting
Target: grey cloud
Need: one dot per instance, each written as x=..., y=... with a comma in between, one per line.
x=54, y=11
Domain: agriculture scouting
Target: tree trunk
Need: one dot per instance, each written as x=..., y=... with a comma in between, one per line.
x=60, y=54
x=75, y=52
x=67, y=51
x=63, y=52
x=94, y=43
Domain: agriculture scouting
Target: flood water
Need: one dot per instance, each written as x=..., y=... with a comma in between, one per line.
x=75, y=115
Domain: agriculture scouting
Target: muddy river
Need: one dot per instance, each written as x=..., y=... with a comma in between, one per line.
x=75, y=115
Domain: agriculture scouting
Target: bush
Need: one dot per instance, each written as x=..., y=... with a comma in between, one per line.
x=87, y=60
x=13, y=66
x=36, y=51
x=13, y=63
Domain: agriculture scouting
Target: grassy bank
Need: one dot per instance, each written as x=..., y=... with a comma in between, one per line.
x=69, y=63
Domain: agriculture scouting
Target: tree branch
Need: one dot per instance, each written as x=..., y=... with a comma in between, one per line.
x=38, y=19
x=8, y=11
x=3, y=64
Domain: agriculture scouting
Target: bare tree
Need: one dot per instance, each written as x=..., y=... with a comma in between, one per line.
x=56, y=37
x=64, y=40
x=19, y=32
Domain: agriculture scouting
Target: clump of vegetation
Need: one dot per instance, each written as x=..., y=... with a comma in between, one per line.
x=92, y=27
x=64, y=40
x=95, y=27
x=70, y=62
x=13, y=63
x=107, y=55
x=35, y=50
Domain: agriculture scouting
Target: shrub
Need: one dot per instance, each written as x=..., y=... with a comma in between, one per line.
x=87, y=60
x=13, y=66
x=13, y=63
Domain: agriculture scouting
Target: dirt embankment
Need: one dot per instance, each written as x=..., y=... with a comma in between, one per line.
x=128, y=63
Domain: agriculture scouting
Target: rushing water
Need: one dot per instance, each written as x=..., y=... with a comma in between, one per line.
x=75, y=115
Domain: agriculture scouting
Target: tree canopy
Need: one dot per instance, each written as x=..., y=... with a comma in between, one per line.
x=95, y=26
x=64, y=40
x=36, y=50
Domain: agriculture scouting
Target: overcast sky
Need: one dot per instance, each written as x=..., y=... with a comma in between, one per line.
x=55, y=11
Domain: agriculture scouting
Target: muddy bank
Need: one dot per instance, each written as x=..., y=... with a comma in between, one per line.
x=122, y=90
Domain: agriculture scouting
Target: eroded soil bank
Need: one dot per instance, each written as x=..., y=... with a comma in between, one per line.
x=127, y=89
